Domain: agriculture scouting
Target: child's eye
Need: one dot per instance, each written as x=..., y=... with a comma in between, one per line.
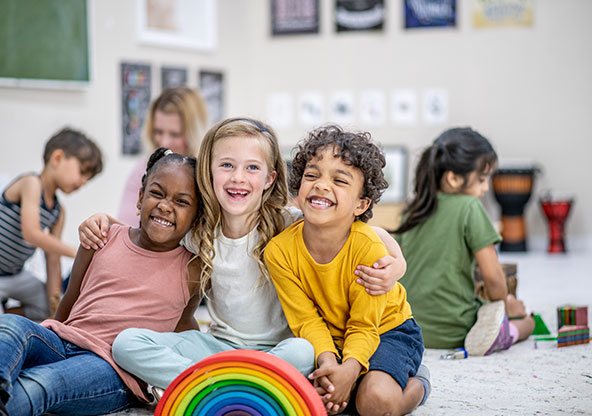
x=183, y=202
x=341, y=181
x=226, y=165
x=253, y=167
x=156, y=193
x=309, y=176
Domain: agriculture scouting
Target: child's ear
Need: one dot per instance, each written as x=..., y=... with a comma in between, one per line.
x=362, y=206
x=57, y=156
x=454, y=181
x=140, y=198
x=270, y=180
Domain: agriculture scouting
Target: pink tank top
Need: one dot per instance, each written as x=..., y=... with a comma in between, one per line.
x=126, y=286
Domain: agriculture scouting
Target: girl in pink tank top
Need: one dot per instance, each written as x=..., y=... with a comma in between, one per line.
x=110, y=290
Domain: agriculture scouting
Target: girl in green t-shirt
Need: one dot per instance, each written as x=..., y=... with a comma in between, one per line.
x=444, y=230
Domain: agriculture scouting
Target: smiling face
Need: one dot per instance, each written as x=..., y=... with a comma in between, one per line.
x=330, y=191
x=167, y=131
x=240, y=174
x=168, y=205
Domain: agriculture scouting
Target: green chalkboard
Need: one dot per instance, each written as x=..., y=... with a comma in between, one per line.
x=44, y=40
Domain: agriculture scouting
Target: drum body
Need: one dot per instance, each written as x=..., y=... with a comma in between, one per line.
x=512, y=188
x=556, y=211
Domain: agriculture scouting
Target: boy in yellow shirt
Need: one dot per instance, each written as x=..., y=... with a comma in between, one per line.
x=338, y=177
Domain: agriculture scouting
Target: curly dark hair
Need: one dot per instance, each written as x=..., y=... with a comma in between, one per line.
x=355, y=149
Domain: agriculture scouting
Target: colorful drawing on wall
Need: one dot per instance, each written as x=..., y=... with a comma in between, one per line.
x=435, y=106
x=341, y=107
x=404, y=107
x=289, y=17
x=373, y=107
x=135, y=100
x=430, y=13
x=280, y=110
x=311, y=108
x=355, y=15
x=172, y=77
x=211, y=87
x=492, y=13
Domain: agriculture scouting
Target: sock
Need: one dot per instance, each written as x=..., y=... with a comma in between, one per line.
x=423, y=374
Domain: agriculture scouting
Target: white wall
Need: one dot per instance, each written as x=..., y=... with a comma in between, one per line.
x=527, y=89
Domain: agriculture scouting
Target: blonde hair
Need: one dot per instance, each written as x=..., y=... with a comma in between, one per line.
x=269, y=218
x=191, y=108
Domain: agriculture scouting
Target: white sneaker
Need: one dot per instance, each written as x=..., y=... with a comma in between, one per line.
x=155, y=392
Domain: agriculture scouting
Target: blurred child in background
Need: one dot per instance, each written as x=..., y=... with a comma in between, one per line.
x=445, y=229
x=28, y=206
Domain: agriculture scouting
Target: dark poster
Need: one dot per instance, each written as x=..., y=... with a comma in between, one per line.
x=211, y=87
x=294, y=17
x=430, y=13
x=173, y=77
x=135, y=100
x=356, y=15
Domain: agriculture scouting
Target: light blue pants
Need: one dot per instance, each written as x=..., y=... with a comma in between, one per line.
x=158, y=358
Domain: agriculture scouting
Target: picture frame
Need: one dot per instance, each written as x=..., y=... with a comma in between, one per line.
x=136, y=81
x=395, y=173
x=171, y=77
x=211, y=86
x=181, y=24
x=292, y=17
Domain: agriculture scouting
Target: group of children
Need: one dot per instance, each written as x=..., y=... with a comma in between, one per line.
x=315, y=286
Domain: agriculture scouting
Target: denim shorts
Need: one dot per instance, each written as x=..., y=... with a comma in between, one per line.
x=400, y=352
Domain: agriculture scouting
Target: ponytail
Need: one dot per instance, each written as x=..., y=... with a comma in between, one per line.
x=427, y=182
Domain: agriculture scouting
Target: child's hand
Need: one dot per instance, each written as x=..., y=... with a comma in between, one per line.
x=382, y=276
x=93, y=231
x=335, y=382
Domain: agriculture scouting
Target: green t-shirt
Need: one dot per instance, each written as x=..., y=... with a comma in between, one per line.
x=440, y=261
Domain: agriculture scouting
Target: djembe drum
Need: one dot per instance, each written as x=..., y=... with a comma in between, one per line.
x=556, y=209
x=512, y=188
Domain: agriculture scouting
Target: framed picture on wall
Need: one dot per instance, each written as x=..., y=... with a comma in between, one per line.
x=135, y=100
x=289, y=17
x=430, y=13
x=172, y=77
x=395, y=174
x=184, y=24
x=211, y=87
x=357, y=15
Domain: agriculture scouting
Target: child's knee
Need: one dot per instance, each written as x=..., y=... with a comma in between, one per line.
x=298, y=352
x=11, y=322
x=377, y=397
x=126, y=342
x=304, y=355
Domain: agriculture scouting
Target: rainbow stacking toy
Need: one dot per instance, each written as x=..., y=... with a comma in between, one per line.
x=241, y=382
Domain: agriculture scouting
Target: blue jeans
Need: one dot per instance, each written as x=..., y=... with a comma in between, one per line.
x=41, y=373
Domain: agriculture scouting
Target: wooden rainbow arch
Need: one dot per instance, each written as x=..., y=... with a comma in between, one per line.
x=241, y=383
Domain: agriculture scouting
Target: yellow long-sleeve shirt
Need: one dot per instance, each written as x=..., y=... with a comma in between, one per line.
x=324, y=304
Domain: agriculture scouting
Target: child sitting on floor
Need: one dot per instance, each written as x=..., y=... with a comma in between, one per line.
x=64, y=365
x=445, y=229
x=28, y=206
x=369, y=340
